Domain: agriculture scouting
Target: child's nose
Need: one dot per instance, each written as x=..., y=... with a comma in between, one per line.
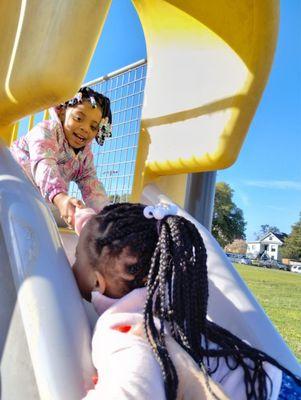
x=84, y=128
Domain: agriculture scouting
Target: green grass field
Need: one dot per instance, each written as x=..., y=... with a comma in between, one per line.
x=279, y=293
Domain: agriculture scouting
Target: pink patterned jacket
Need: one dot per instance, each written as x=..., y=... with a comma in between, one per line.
x=51, y=164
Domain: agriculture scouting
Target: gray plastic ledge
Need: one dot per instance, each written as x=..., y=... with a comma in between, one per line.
x=52, y=314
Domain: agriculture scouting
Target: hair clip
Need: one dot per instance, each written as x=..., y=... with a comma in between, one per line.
x=160, y=211
x=93, y=101
x=79, y=97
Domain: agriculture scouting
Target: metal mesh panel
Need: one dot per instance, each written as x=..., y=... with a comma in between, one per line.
x=115, y=160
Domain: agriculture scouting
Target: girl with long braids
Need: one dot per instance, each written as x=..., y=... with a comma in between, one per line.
x=145, y=271
x=58, y=151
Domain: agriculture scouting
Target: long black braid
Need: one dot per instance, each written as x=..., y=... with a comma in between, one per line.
x=172, y=255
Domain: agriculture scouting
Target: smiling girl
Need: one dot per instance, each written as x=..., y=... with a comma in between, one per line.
x=58, y=151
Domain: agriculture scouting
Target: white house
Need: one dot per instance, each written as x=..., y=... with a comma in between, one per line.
x=267, y=247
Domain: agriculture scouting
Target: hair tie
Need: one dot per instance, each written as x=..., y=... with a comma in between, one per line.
x=160, y=211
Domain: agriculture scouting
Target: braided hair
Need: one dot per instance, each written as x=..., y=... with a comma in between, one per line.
x=121, y=225
x=172, y=255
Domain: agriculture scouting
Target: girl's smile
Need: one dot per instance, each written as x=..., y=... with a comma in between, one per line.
x=79, y=138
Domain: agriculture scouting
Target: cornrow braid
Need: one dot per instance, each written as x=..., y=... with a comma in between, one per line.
x=173, y=257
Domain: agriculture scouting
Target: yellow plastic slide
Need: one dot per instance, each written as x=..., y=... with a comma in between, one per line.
x=208, y=63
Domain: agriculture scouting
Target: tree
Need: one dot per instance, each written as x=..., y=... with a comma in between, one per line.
x=228, y=220
x=292, y=244
x=238, y=246
x=265, y=229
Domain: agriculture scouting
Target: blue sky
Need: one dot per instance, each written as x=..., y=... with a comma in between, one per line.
x=267, y=175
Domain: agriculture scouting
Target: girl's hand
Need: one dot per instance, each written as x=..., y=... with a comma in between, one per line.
x=67, y=206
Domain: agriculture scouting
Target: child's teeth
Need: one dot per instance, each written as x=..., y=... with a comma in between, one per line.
x=80, y=137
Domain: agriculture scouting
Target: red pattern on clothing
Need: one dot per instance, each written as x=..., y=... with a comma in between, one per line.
x=123, y=328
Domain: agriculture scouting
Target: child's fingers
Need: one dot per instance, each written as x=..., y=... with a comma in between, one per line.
x=68, y=216
x=76, y=203
x=80, y=204
x=69, y=221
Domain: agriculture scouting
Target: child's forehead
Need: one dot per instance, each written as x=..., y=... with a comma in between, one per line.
x=86, y=108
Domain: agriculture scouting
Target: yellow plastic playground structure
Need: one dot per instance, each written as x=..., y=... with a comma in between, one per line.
x=208, y=64
x=220, y=54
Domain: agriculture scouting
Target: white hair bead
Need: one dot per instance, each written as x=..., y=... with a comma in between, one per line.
x=160, y=211
x=148, y=212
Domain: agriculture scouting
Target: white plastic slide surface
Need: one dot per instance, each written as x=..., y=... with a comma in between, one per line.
x=45, y=332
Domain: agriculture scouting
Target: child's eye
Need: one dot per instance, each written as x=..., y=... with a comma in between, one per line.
x=133, y=269
x=94, y=128
x=77, y=118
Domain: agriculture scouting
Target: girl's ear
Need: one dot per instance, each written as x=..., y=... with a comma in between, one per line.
x=100, y=283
